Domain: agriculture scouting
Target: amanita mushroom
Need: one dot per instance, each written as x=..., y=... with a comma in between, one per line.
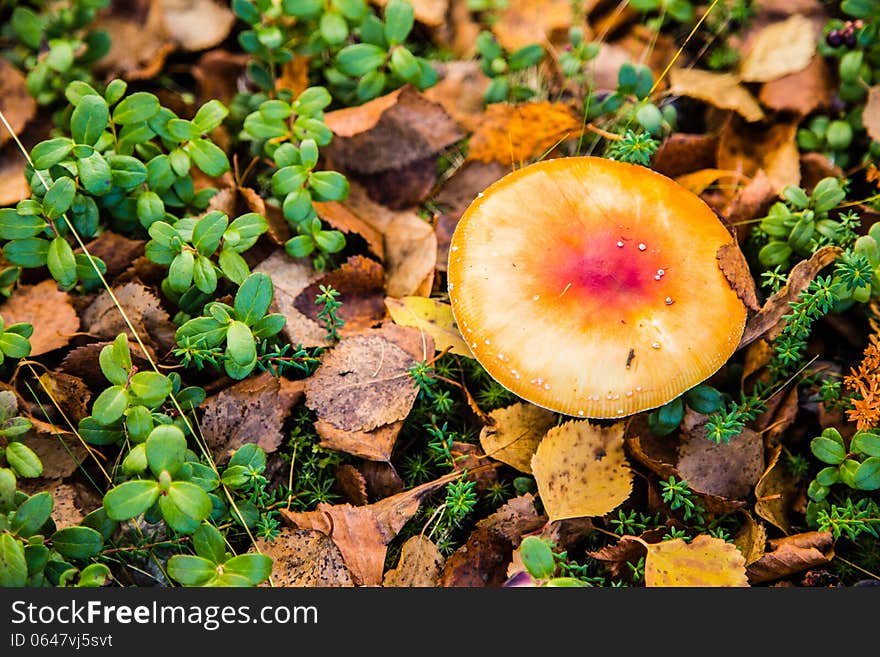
x=591, y=287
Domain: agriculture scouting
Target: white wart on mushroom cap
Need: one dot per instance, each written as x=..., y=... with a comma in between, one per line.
x=591, y=287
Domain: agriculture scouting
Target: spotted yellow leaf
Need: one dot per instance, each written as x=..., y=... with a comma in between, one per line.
x=581, y=470
x=704, y=562
x=514, y=433
x=431, y=316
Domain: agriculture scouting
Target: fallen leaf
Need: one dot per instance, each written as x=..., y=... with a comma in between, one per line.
x=460, y=90
x=814, y=167
x=801, y=92
x=429, y=12
x=116, y=250
x=13, y=184
x=751, y=540
x=728, y=470
x=251, y=411
x=698, y=181
x=352, y=484
x=68, y=392
x=469, y=459
x=779, y=49
x=49, y=310
x=459, y=33
x=735, y=268
x=304, y=558
x=749, y=148
x=581, y=470
x=196, y=24
x=514, y=433
x=60, y=451
x=721, y=90
x=17, y=105
x=360, y=282
x=779, y=417
x=704, y=562
x=420, y=564
x=102, y=319
x=139, y=40
x=83, y=362
x=751, y=201
x=217, y=74
x=290, y=277
x=682, y=153
x=775, y=492
x=515, y=518
x=294, y=76
x=627, y=549
x=431, y=316
x=65, y=511
x=524, y=22
x=792, y=554
x=768, y=321
x=516, y=134
x=381, y=479
x=374, y=445
x=871, y=113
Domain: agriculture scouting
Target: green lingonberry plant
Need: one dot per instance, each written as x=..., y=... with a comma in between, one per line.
x=213, y=565
x=854, y=463
x=20, y=458
x=502, y=68
x=702, y=398
x=576, y=55
x=681, y=11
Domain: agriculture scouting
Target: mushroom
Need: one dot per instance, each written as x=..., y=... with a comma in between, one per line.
x=591, y=287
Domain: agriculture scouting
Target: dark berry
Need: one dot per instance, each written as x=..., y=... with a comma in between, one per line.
x=834, y=39
x=851, y=40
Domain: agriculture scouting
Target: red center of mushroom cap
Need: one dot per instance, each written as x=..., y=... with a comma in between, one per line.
x=606, y=272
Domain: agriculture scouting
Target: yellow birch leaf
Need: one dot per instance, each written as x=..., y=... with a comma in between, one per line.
x=779, y=49
x=581, y=470
x=431, y=316
x=514, y=434
x=704, y=562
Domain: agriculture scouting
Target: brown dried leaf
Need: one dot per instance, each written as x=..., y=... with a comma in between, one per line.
x=751, y=539
x=431, y=316
x=728, y=470
x=790, y=555
x=102, y=319
x=469, y=458
x=616, y=555
x=420, y=564
x=514, y=434
x=13, y=184
x=682, y=153
x=751, y=201
x=524, y=22
x=217, y=74
x=706, y=561
x=430, y=12
x=374, y=445
x=69, y=392
x=65, y=511
x=748, y=148
x=460, y=91
x=17, y=105
x=871, y=113
x=196, y=24
x=735, y=267
x=360, y=282
x=515, y=518
x=139, y=39
x=581, y=470
x=352, y=484
x=48, y=309
x=516, y=134
x=381, y=479
x=116, y=250
x=306, y=558
x=768, y=321
x=775, y=492
x=251, y=411
x=722, y=90
x=802, y=92
x=779, y=49
x=60, y=451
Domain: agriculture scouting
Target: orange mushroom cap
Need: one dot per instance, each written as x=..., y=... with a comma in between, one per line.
x=591, y=287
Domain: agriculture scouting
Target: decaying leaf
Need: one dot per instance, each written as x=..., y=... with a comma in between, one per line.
x=748, y=148
x=48, y=309
x=775, y=491
x=581, y=470
x=751, y=540
x=779, y=49
x=722, y=90
x=699, y=181
x=792, y=554
x=736, y=270
x=728, y=470
x=117, y=251
x=801, y=92
x=17, y=105
x=196, y=24
x=352, y=484
x=102, y=319
x=704, y=562
x=429, y=12
x=524, y=22
x=139, y=39
x=682, y=153
x=13, y=184
x=374, y=445
x=251, y=411
x=217, y=74
x=420, y=564
x=751, y=201
x=871, y=113
x=460, y=90
x=68, y=392
x=60, y=451
x=514, y=433
x=305, y=558
x=768, y=321
x=516, y=134
x=431, y=316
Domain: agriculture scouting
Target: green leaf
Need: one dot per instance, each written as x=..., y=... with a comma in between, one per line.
x=77, y=542
x=23, y=460
x=297, y=205
x=333, y=28
x=32, y=514
x=139, y=106
x=15, y=426
x=180, y=273
x=14, y=226
x=269, y=325
x=253, y=298
x=210, y=115
x=209, y=231
x=255, y=568
x=328, y=186
x=329, y=241
x=370, y=85
x=249, y=455
x=289, y=179
x=796, y=196
x=190, y=499
x=233, y=266
x=360, y=58
x=827, y=194
x=48, y=153
x=190, y=570
x=31, y=252
x=61, y=262
x=299, y=246
x=28, y=25
x=110, y=405
x=205, y=275
x=59, y=197
x=60, y=56
x=93, y=576
x=866, y=442
x=259, y=127
x=14, y=345
x=135, y=462
x=13, y=567
x=208, y=157
x=151, y=388
x=89, y=120
x=240, y=345
x=399, y=20
x=128, y=172
x=302, y=8
x=131, y=499
x=526, y=56
x=37, y=557
x=8, y=484
x=208, y=543
x=94, y=174
x=95, y=433
x=150, y=208
x=115, y=361
x=311, y=101
x=827, y=450
x=405, y=65
x=166, y=449
x=704, y=399
x=236, y=476
x=204, y=332
x=537, y=557
x=867, y=477
x=138, y=423
x=249, y=227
